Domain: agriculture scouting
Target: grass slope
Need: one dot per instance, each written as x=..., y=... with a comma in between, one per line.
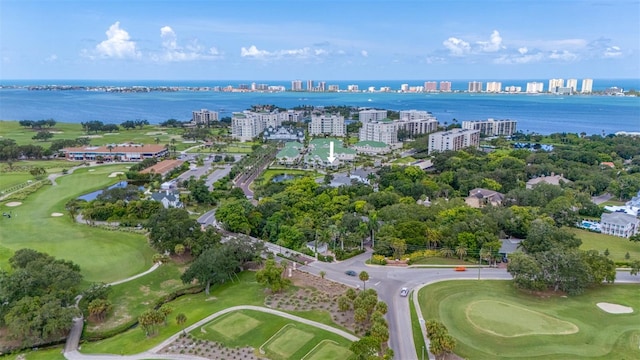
x=102, y=255
x=617, y=246
x=601, y=335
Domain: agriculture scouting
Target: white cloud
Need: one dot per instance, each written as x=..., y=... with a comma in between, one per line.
x=613, y=51
x=494, y=44
x=253, y=52
x=457, y=47
x=523, y=50
x=172, y=52
x=520, y=58
x=302, y=53
x=364, y=53
x=563, y=55
x=118, y=44
x=51, y=58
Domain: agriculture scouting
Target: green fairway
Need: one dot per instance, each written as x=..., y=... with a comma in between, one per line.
x=38, y=354
x=234, y=325
x=328, y=350
x=493, y=320
x=496, y=317
x=288, y=341
x=102, y=255
x=618, y=246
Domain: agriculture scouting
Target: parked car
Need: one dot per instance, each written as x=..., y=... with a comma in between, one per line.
x=404, y=292
x=350, y=273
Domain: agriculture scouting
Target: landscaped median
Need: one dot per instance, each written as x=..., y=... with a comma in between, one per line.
x=492, y=320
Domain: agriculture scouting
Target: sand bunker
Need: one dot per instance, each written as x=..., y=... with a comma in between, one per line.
x=91, y=136
x=615, y=308
x=57, y=214
x=116, y=173
x=13, y=204
x=153, y=133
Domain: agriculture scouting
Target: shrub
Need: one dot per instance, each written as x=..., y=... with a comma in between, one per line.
x=378, y=260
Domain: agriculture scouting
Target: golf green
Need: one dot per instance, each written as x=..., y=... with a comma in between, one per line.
x=289, y=341
x=328, y=350
x=491, y=319
x=234, y=325
x=497, y=318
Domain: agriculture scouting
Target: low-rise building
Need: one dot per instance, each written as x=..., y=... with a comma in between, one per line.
x=619, y=224
x=552, y=179
x=290, y=153
x=479, y=198
x=168, y=198
x=282, y=133
x=318, y=153
x=120, y=152
x=371, y=147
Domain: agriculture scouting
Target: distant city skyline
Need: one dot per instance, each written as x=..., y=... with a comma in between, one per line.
x=319, y=40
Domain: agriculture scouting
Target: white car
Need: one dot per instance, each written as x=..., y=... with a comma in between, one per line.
x=404, y=292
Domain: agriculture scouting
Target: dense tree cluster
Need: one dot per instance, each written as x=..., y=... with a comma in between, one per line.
x=171, y=227
x=369, y=314
x=220, y=262
x=553, y=262
x=36, y=297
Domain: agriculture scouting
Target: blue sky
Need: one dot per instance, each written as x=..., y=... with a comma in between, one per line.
x=320, y=40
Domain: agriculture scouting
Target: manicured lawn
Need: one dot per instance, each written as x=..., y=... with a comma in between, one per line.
x=8, y=179
x=132, y=298
x=102, y=255
x=328, y=350
x=44, y=354
x=146, y=135
x=281, y=338
x=416, y=328
x=493, y=320
x=617, y=246
x=246, y=291
x=441, y=261
x=405, y=160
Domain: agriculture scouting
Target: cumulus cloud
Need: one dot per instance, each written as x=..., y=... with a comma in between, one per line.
x=364, y=53
x=494, y=44
x=51, y=58
x=523, y=50
x=173, y=52
x=118, y=44
x=457, y=47
x=253, y=52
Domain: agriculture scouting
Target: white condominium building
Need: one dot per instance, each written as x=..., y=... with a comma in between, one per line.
x=492, y=127
x=555, y=84
x=587, y=86
x=327, y=124
x=572, y=84
x=417, y=122
x=494, y=86
x=371, y=115
x=535, y=87
x=296, y=85
x=454, y=139
x=334, y=88
x=353, y=88
x=475, y=86
x=245, y=126
x=204, y=116
x=385, y=131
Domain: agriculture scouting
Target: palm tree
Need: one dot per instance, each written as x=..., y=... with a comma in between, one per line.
x=364, y=277
x=180, y=320
x=461, y=251
x=446, y=252
x=373, y=226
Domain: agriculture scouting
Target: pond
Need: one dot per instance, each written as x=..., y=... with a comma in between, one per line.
x=282, y=177
x=93, y=195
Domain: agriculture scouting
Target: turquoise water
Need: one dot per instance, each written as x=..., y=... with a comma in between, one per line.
x=535, y=113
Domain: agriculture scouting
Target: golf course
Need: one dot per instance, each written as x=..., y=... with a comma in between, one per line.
x=35, y=223
x=494, y=320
